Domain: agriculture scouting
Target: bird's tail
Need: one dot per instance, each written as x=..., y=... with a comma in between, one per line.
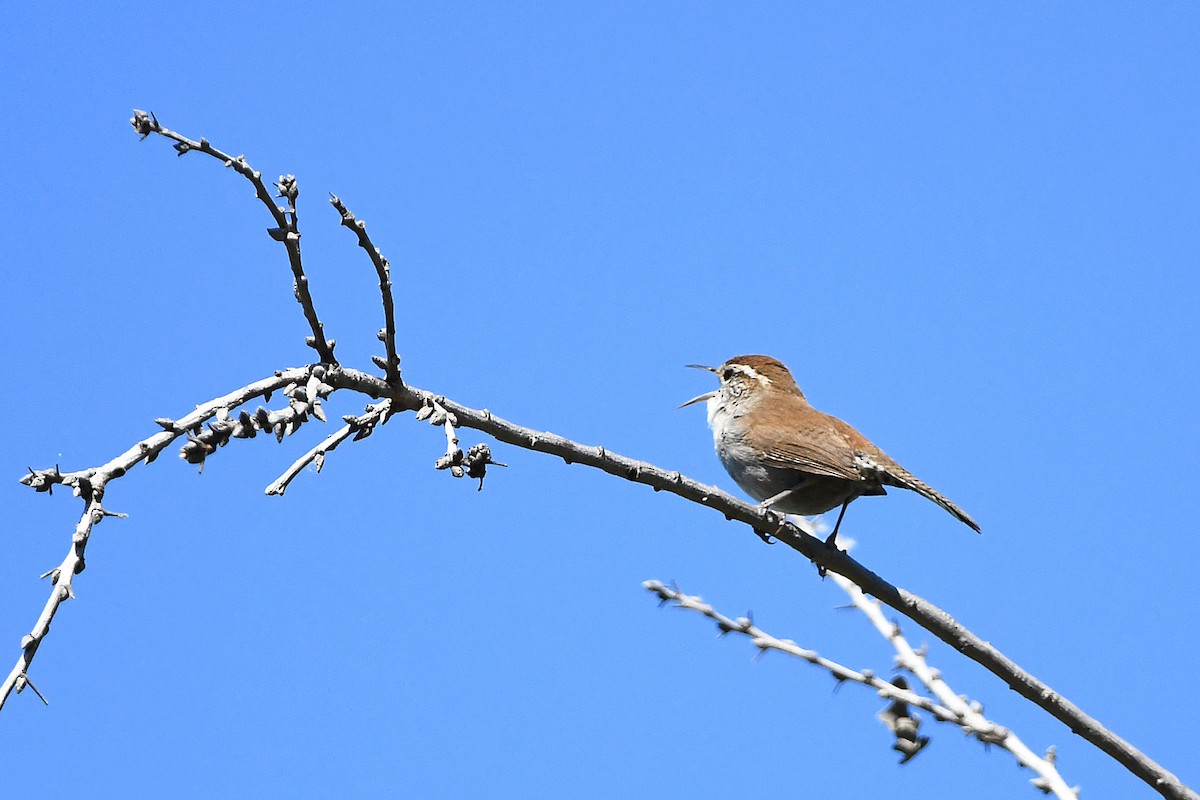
x=898, y=476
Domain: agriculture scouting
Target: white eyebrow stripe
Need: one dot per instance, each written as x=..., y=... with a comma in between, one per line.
x=751, y=372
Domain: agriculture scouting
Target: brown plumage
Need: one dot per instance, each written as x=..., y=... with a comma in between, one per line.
x=792, y=457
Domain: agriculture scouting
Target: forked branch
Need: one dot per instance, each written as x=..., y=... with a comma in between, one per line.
x=391, y=363
x=949, y=707
x=287, y=224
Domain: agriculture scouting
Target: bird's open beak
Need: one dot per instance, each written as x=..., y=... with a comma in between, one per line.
x=706, y=395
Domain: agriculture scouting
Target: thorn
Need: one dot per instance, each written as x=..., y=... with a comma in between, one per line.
x=29, y=683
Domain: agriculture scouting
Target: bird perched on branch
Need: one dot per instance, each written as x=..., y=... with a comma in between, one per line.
x=791, y=457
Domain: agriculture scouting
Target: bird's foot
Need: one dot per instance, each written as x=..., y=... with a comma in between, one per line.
x=830, y=542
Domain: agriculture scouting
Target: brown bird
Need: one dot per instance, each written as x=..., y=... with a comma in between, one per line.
x=788, y=455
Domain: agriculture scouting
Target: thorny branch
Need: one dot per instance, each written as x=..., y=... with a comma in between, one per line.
x=204, y=443
x=391, y=364
x=359, y=427
x=765, y=641
x=90, y=484
x=969, y=715
x=474, y=462
x=948, y=707
x=287, y=227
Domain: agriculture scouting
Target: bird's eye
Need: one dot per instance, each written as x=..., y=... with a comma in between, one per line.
x=727, y=373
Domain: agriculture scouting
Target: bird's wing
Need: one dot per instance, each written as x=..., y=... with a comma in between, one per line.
x=817, y=446
x=887, y=471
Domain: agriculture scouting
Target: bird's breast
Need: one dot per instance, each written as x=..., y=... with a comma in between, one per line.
x=815, y=494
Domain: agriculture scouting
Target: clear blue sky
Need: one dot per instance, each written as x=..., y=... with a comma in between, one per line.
x=971, y=232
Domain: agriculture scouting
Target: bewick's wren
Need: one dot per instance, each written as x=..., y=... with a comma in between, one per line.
x=791, y=457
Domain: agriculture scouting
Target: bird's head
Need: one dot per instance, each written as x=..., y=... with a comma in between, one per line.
x=746, y=377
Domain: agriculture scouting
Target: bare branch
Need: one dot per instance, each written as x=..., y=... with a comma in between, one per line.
x=286, y=230
x=969, y=715
x=304, y=400
x=765, y=641
x=437, y=415
x=952, y=708
x=360, y=427
x=474, y=462
x=60, y=578
x=90, y=484
x=390, y=365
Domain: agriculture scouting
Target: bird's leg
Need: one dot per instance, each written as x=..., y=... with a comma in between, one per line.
x=833, y=536
x=770, y=501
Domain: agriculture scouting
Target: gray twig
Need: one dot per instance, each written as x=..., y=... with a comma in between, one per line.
x=90, y=484
x=391, y=363
x=969, y=715
x=360, y=427
x=952, y=708
x=286, y=230
x=765, y=641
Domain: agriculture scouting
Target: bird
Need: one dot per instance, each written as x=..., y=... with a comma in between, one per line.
x=791, y=457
